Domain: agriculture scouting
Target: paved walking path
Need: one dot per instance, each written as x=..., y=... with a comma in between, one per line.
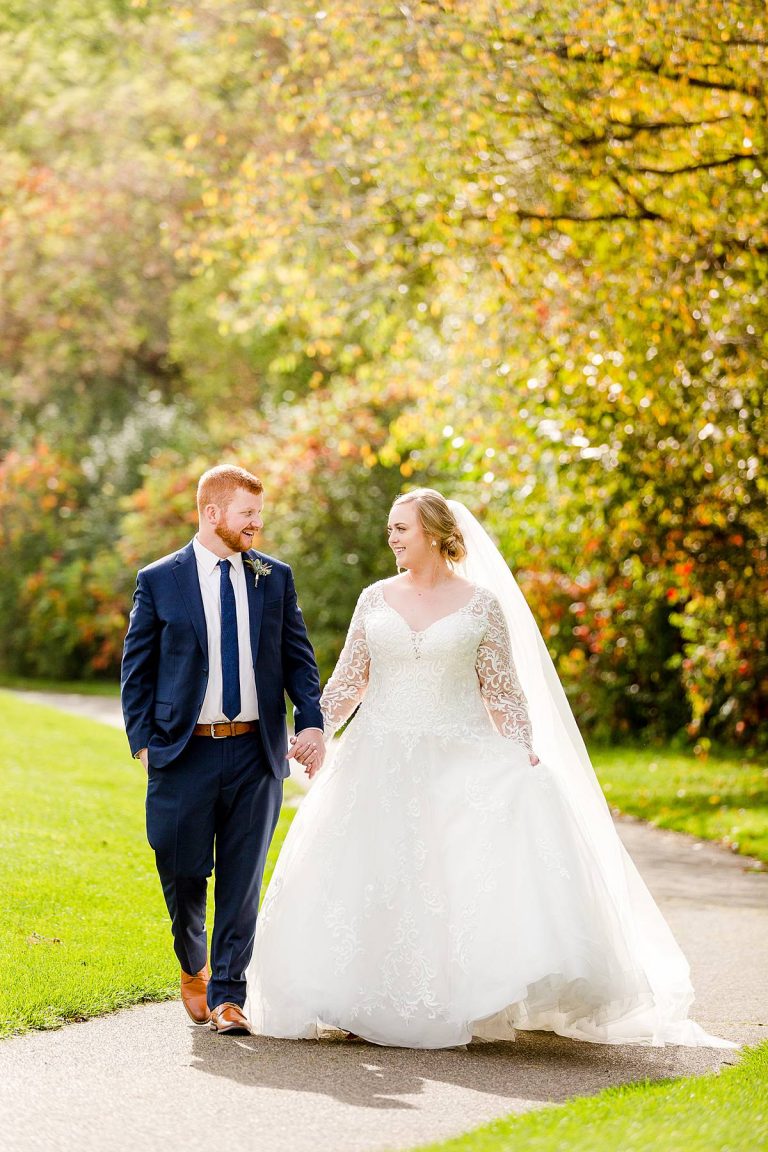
x=146, y=1079
x=105, y=709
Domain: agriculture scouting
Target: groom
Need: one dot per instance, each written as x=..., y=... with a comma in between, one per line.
x=215, y=640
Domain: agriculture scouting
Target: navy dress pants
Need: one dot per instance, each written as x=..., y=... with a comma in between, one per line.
x=216, y=805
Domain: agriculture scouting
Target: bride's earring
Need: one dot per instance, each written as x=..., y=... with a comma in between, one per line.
x=434, y=543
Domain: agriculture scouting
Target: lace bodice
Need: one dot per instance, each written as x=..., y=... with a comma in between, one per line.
x=446, y=679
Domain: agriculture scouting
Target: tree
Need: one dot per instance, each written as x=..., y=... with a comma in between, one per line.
x=517, y=251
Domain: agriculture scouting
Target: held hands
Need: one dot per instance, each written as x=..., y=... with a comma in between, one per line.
x=533, y=759
x=308, y=749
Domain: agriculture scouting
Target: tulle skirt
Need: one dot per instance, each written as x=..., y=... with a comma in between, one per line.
x=433, y=891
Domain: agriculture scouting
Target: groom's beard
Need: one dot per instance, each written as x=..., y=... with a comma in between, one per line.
x=232, y=539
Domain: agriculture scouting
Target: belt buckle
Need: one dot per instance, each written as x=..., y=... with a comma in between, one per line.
x=213, y=731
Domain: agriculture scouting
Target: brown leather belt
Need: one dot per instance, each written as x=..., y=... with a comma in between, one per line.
x=224, y=728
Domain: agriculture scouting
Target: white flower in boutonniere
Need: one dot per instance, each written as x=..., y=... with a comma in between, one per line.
x=258, y=567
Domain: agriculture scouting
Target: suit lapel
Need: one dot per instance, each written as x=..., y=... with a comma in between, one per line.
x=185, y=572
x=255, y=603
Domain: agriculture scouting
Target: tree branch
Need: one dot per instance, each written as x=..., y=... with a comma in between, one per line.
x=732, y=41
x=694, y=167
x=662, y=125
x=579, y=218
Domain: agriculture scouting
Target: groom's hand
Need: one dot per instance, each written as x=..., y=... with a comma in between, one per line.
x=308, y=749
x=143, y=755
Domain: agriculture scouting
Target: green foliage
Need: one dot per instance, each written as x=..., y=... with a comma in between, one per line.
x=328, y=498
x=519, y=252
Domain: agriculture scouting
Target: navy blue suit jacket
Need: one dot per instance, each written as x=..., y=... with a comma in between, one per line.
x=165, y=658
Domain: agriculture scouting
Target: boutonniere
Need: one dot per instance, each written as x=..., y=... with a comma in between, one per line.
x=258, y=567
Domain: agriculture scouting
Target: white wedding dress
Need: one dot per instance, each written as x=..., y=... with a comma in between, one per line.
x=436, y=886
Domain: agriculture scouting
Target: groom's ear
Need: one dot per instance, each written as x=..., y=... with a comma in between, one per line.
x=211, y=513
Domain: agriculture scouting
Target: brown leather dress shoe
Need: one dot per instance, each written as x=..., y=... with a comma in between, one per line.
x=194, y=992
x=230, y=1018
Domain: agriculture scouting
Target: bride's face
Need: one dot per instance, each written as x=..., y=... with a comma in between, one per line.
x=407, y=538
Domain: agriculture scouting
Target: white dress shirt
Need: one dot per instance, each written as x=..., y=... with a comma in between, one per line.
x=209, y=575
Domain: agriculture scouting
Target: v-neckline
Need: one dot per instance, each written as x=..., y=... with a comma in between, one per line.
x=447, y=616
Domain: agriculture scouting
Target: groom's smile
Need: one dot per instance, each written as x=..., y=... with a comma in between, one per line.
x=241, y=521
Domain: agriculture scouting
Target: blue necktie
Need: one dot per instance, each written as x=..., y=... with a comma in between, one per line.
x=230, y=656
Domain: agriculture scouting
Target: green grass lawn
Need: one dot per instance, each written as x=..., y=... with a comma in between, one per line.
x=83, y=926
x=721, y=1112
x=723, y=798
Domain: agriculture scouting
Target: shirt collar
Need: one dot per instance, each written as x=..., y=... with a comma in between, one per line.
x=209, y=561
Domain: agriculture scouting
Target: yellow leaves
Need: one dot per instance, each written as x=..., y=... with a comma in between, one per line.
x=389, y=456
x=191, y=141
x=248, y=168
x=318, y=348
x=620, y=112
x=210, y=197
x=427, y=59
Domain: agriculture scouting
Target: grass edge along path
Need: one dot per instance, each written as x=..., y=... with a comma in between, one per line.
x=723, y=798
x=83, y=925
x=724, y=1111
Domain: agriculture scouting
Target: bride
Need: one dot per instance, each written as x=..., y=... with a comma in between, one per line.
x=441, y=882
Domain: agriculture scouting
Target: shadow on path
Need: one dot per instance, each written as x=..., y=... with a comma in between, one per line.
x=538, y=1068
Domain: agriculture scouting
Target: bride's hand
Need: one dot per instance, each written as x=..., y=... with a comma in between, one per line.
x=308, y=749
x=533, y=759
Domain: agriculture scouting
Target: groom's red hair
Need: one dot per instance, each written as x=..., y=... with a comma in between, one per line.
x=218, y=485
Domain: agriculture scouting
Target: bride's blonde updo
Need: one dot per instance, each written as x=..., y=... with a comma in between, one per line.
x=438, y=521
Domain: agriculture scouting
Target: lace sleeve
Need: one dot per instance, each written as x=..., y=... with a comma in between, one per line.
x=499, y=685
x=349, y=679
